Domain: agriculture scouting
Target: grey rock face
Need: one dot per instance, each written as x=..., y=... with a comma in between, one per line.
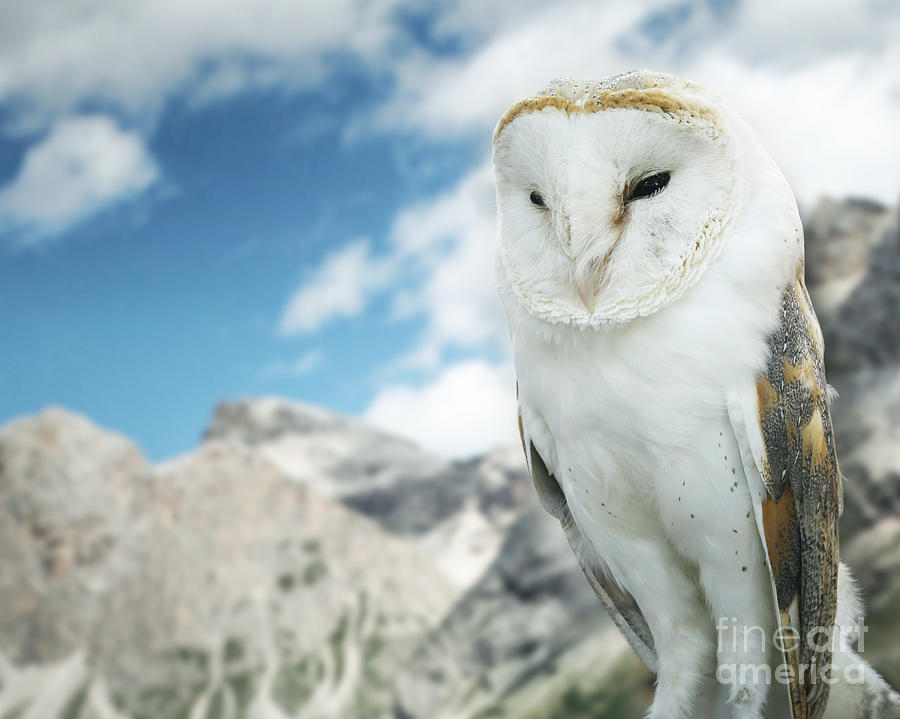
x=338, y=455
x=867, y=427
x=866, y=333
x=70, y=531
x=213, y=585
x=496, y=485
x=398, y=485
x=530, y=606
x=839, y=237
x=852, y=270
x=456, y=511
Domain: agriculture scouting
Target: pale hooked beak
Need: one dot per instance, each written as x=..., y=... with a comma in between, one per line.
x=587, y=277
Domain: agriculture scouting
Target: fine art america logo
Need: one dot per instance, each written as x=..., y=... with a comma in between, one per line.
x=739, y=641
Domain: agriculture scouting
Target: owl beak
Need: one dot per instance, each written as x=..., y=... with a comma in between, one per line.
x=587, y=278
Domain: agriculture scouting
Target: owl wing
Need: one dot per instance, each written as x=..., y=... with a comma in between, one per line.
x=783, y=425
x=620, y=605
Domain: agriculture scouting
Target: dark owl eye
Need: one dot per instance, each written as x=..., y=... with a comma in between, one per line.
x=537, y=199
x=649, y=186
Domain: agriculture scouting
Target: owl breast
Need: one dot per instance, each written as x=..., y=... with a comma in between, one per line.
x=633, y=423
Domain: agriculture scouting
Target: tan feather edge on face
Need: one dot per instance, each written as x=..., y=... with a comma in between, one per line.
x=641, y=90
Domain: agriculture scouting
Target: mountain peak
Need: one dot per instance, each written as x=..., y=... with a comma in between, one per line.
x=337, y=454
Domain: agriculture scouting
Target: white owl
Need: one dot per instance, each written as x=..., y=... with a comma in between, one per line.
x=672, y=397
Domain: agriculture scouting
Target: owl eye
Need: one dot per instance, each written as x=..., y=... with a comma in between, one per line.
x=649, y=186
x=537, y=199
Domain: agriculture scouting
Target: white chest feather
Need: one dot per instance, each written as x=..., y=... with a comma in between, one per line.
x=633, y=423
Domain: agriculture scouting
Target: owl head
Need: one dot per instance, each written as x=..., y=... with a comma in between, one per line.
x=614, y=197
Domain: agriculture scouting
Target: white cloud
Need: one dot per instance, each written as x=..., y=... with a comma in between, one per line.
x=340, y=287
x=451, y=238
x=831, y=126
x=84, y=165
x=467, y=19
x=131, y=58
x=440, y=97
x=134, y=55
x=307, y=362
x=303, y=365
x=819, y=83
x=803, y=32
x=467, y=409
x=438, y=266
x=820, y=86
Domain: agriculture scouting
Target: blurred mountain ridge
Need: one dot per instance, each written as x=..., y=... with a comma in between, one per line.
x=303, y=564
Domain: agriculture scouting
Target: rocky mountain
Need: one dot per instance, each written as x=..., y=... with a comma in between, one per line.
x=338, y=456
x=302, y=564
x=853, y=271
x=528, y=638
x=212, y=585
x=457, y=511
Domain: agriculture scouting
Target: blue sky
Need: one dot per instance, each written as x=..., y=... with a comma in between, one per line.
x=203, y=200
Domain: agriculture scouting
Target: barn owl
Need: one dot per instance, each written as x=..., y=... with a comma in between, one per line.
x=672, y=398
